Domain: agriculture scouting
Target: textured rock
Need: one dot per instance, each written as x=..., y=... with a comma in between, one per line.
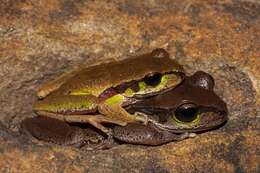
x=42, y=39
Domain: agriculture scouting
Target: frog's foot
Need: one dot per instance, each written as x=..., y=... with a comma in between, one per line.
x=185, y=136
x=108, y=143
x=192, y=135
x=142, y=117
x=95, y=120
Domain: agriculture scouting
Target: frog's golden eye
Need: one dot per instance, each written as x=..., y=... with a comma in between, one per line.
x=187, y=113
x=153, y=80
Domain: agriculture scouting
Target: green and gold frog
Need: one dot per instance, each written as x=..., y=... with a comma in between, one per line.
x=147, y=94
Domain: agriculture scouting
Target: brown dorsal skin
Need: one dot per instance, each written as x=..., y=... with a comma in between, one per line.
x=188, y=91
x=196, y=89
x=100, y=77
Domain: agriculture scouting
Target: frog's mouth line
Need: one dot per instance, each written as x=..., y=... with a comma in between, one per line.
x=198, y=129
x=161, y=118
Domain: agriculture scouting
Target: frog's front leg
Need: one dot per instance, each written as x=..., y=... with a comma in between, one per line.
x=112, y=108
x=59, y=132
x=137, y=133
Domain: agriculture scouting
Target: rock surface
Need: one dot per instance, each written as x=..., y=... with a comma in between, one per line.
x=42, y=39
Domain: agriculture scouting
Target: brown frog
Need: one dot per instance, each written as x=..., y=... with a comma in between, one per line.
x=149, y=94
x=176, y=114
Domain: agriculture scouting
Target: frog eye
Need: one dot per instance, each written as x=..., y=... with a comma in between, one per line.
x=153, y=79
x=186, y=113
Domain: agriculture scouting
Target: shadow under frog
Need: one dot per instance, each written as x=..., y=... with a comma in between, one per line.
x=191, y=107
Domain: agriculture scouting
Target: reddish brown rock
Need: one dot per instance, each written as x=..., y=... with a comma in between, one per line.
x=42, y=39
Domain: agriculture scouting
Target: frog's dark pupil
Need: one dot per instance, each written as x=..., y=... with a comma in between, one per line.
x=186, y=113
x=153, y=80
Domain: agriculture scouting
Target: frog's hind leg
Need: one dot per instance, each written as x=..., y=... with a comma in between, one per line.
x=94, y=120
x=47, y=88
x=59, y=132
x=74, y=108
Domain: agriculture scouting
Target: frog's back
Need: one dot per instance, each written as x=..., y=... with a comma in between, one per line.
x=98, y=78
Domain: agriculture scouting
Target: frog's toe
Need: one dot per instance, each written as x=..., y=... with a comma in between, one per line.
x=94, y=120
x=107, y=131
x=192, y=135
x=142, y=117
x=98, y=119
x=186, y=135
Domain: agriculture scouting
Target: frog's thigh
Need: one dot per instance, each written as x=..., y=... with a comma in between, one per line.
x=94, y=120
x=58, y=132
x=47, y=88
x=62, y=103
x=137, y=133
